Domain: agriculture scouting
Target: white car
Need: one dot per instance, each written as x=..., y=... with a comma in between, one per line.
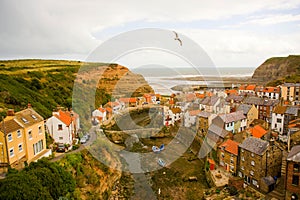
x=83, y=140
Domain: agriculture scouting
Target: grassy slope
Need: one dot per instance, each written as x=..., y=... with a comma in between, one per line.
x=44, y=83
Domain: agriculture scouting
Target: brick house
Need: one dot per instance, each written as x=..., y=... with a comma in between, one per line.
x=259, y=162
x=293, y=174
x=228, y=155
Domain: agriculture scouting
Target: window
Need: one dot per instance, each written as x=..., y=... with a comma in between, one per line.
x=60, y=127
x=252, y=173
x=240, y=174
x=19, y=133
x=242, y=168
x=252, y=154
x=24, y=120
x=222, y=154
x=252, y=163
x=38, y=147
x=295, y=180
x=278, y=120
x=231, y=161
x=296, y=168
x=254, y=182
x=11, y=152
x=9, y=136
x=34, y=117
x=60, y=138
x=242, y=150
x=20, y=147
x=40, y=130
x=231, y=168
x=30, y=134
x=243, y=159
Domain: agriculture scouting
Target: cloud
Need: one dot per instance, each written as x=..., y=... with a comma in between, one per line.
x=67, y=28
x=273, y=19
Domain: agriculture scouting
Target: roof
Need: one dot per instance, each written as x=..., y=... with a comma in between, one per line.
x=258, y=131
x=8, y=126
x=292, y=111
x=271, y=89
x=64, y=116
x=204, y=114
x=232, y=117
x=232, y=91
x=112, y=104
x=291, y=84
x=190, y=97
x=255, y=145
x=250, y=87
x=109, y=109
x=194, y=112
x=102, y=109
x=294, y=154
x=280, y=109
x=200, y=96
x=242, y=87
x=236, y=98
x=269, y=180
x=245, y=108
x=210, y=101
x=214, y=129
x=253, y=100
x=128, y=100
x=230, y=146
x=28, y=117
x=175, y=110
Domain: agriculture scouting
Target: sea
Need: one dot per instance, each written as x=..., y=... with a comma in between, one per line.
x=162, y=79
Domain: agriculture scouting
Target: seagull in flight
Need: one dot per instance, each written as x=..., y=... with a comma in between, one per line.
x=177, y=38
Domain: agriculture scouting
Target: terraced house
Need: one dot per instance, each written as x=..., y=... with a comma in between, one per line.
x=259, y=162
x=22, y=138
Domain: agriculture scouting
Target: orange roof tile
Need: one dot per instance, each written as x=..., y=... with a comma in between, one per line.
x=250, y=87
x=230, y=146
x=233, y=91
x=101, y=109
x=128, y=100
x=280, y=109
x=108, y=109
x=200, y=96
x=242, y=87
x=65, y=117
x=258, y=131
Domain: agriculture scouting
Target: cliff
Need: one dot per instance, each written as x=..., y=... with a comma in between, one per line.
x=278, y=68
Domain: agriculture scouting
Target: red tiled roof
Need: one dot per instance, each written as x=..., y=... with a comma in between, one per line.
x=190, y=97
x=258, y=131
x=65, y=117
x=112, y=104
x=233, y=91
x=101, y=109
x=242, y=87
x=271, y=89
x=250, y=87
x=200, y=96
x=128, y=100
x=108, y=109
x=230, y=146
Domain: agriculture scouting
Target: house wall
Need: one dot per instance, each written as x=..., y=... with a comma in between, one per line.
x=228, y=161
x=252, y=115
x=59, y=136
x=202, y=126
x=278, y=126
x=36, y=137
x=289, y=186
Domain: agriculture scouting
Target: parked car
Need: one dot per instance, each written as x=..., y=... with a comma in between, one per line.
x=61, y=147
x=83, y=140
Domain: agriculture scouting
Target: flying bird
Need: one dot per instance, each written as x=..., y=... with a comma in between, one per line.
x=177, y=38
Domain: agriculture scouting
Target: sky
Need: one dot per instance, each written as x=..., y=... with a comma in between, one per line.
x=233, y=33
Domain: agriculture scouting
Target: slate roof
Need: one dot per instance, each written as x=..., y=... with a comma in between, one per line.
x=253, y=100
x=291, y=84
x=232, y=117
x=255, y=145
x=292, y=111
x=245, y=108
x=210, y=101
x=236, y=98
x=269, y=180
x=204, y=114
x=194, y=112
x=294, y=154
x=214, y=129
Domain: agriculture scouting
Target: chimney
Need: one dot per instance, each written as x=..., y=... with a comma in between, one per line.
x=10, y=112
x=28, y=105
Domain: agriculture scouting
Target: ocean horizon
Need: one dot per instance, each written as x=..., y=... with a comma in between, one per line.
x=163, y=79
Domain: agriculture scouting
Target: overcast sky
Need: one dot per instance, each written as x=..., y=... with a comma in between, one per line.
x=234, y=33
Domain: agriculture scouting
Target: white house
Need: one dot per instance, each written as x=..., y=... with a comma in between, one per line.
x=278, y=119
x=99, y=115
x=209, y=104
x=63, y=126
x=172, y=115
x=190, y=117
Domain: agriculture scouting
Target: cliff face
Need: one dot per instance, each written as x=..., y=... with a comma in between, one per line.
x=277, y=68
x=116, y=80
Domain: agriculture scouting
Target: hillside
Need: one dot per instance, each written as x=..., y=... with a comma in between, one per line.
x=47, y=84
x=278, y=70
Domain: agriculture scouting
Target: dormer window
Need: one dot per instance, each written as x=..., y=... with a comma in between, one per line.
x=34, y=117
x=24, y=120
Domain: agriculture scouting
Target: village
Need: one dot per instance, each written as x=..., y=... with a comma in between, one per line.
x=249, y=135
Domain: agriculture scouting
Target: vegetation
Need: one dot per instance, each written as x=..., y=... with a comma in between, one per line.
x=45, y=84
x=41, y=180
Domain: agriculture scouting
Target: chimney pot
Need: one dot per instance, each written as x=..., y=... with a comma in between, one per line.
x=10, y=112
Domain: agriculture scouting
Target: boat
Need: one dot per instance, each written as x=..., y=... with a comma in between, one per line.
x=162, y=147
x=161, y=162
x=155, y=149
